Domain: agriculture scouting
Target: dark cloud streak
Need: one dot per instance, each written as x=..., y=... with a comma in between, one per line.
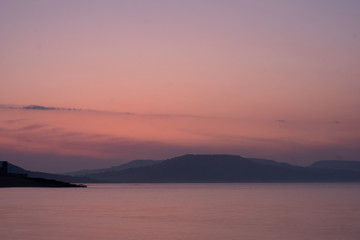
x=43, y=108
x=31, y=127
x=46, y=108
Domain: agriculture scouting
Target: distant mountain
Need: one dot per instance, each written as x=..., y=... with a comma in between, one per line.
x=15, y=169
x=209, y=168
x=338, y=164
x=131, y=164
x=224, y=168
x=270, y=162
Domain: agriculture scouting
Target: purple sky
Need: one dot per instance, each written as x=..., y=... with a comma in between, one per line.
x=155, y=79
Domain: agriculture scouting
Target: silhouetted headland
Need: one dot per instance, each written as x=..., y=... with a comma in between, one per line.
x=22, y=180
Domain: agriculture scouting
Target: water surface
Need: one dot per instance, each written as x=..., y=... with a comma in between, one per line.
x=183, y=211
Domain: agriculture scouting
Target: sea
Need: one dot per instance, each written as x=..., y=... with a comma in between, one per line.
x=206, y=211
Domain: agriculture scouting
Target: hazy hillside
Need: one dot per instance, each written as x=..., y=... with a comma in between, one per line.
x=211, y=168
x=338, y=164
x=224, y=168
x=131, y=164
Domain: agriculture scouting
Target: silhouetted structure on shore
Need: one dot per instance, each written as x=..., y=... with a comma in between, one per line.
x=4, y=168
x=22, y=180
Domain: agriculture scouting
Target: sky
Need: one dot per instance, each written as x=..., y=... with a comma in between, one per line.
x=87, y=84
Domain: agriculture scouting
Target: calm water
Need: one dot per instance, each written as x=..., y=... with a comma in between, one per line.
x=183, y=211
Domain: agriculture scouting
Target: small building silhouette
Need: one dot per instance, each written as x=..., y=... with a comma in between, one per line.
x=4, y=168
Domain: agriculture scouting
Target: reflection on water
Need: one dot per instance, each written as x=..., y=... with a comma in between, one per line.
x=183, y=211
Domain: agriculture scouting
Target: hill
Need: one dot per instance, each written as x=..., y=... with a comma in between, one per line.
x=58, y=177
x=224, y=168
x=8, y=179
x=338, y=164
x=131, y=164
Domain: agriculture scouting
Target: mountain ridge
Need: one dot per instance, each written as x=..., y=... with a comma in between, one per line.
x=209, y=168
x=131, y=164
x=224, y=168
x=337, y=164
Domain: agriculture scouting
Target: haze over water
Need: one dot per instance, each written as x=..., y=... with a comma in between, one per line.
x=183, y=211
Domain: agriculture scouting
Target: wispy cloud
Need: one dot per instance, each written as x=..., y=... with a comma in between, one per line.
x=50, y=108
x=127, y=136
x=102, y=146
x=41, y=138
x=43, y=108
x=13, y=121
x=36, y=107
x=32, y=127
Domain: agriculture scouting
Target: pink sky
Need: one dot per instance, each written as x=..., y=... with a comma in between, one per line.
x=196, y=76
